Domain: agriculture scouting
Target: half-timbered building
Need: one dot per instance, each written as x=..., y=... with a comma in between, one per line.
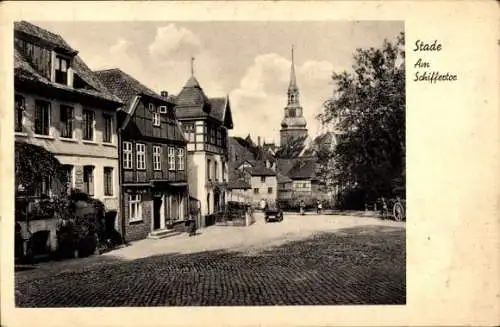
x=205, y=122
x=153, y=166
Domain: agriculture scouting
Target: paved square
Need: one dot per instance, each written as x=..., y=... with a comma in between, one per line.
x=305, y=260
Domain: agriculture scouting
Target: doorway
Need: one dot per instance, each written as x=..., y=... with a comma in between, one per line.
x=157, y=204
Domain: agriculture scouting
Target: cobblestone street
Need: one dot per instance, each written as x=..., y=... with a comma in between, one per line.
x=322, y=260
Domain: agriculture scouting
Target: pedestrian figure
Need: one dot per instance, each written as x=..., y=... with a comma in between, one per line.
x=302, y=205
x=263, y=205
x=192, y=227
x=319, y=207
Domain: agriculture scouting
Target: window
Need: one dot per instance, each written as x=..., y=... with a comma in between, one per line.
x=223, y=138
x=156, y=157
x=223, y=171
x=212, y=135
x=68, y=173
x=108, y=181
x=140, y=155
x=218, y=136
x=291, y=112
x=134, y=207
x=18, y=113
x=156, y=119
x=180, y=159
x=66, y=116
x=151, y=107
x=189, y=132
x=42, y=117
x=62, y=66
x=127, y=155
x=209, y=172
x=88, y=124
x=216, y=175
x=88, y=179
x=171, y=158
x=255, y=191
x=263, y=179
x=269, y=190
x=108, y=128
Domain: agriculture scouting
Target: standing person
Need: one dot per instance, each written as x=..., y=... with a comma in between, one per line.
x=263, y=204
x=320, y=207
x=302, y=205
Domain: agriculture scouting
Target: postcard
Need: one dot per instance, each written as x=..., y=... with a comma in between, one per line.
x=250, y=163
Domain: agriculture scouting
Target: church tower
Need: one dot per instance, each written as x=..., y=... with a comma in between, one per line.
x=293, y=125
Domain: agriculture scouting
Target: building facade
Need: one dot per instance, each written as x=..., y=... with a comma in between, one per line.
x=61, y=106
x=205, y=122
x=293, y=125
x=153, y=162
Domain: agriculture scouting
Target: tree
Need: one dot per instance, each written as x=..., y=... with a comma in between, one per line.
x=368, y=111
x=291, y=149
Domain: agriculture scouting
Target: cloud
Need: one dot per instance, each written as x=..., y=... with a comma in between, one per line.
x=259, y=100
x=174, y=43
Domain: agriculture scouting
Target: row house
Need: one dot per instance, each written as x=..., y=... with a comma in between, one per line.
x=61, y=106
x=153, y=158
x=205, y=122
x=254, y=165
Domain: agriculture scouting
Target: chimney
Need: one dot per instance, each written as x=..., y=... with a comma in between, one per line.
x=258, y=141
x=164, y=94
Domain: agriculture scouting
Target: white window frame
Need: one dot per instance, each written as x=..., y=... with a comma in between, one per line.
x=127, y=155
x=180, y=158
x=156, y=157
x=151, y=106
x=163, y=109
x=140, y=155
x=156, y=119
x=134, y=200
x=171, y=158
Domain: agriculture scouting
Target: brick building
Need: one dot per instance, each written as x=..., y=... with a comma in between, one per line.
x=152, y=158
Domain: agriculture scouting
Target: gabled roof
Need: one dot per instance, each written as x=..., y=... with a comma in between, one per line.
x=192, y=102
x=284, y=165
x=125, y=86
x=24, y=71
x=239, y=151
x=130, y=90
x=258, y=168
x=50, y=40
x=303, y=169
x=281, y=178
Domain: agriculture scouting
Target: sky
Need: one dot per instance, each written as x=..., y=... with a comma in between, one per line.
x=249, y=61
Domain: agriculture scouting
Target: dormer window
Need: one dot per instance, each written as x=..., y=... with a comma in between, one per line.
x=61, y=70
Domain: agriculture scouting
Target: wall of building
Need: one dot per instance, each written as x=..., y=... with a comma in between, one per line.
x=196, y=167
x=137, y=230
x=76, y=151
x=263, y=186
x=239, y=195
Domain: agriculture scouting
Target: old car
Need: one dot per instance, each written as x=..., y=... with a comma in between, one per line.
x=273, y=212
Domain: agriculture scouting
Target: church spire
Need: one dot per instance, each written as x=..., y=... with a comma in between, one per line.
x=293, y=80
x=293, y=89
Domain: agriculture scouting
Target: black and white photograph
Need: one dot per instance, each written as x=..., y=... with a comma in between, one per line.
x=214, y=163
